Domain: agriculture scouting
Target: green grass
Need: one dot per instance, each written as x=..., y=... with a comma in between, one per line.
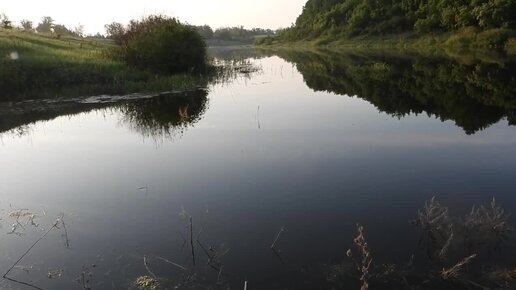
x=48, y=66
x=467, y=39
x=510, y=46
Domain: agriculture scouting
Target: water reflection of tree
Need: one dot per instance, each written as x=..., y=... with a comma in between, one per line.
x=166, y=115
x=474, y=94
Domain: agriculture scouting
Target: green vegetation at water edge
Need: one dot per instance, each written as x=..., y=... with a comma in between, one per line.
x=476, y=24
x=39, y=65
x=161, y=44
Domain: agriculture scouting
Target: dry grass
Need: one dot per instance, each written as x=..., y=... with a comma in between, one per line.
x=366, y=260
x=446, y=239
x=454, y=271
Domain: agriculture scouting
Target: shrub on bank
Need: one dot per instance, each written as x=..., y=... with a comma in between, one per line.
x=164, y=45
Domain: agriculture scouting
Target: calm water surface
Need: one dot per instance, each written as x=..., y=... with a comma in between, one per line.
x=313, y=143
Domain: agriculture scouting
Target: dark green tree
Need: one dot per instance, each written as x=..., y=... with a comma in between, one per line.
x=115, y=31
x=27, y=25
x=348, y=18
x=163, y=45
x=5, y=22
x=46, y=25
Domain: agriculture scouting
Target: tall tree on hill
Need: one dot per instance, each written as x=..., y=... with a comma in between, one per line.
x=79, y=30
x=46, y=25
x=115, y=31
x=348, y=18
x=5, y=22
x=27, y=25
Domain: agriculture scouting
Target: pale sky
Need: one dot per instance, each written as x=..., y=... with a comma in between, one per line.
x=93, y=14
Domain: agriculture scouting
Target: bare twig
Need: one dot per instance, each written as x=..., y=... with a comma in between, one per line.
x=191, y=241
x=273, y=246
x=65, y=235
x=366, y=259
x=23, y=283
x=445, y=248
x=278, y=255
x=172, y=263
x=219, y=276
x=86, y=277
x=147, y=268
x=454, y=271
x=211, y=263
x=184, y=240
x=258, y=117
x=30, y=248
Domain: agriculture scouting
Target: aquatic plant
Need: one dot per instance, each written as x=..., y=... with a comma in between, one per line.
x=444, y=238
x=146, y=283
x=454, y=271
x=436, y=227
x=364, y=265
x=486, y=226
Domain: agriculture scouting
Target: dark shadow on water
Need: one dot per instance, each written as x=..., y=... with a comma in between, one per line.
x=165, y=115
x=160, y=115
x=474, y=93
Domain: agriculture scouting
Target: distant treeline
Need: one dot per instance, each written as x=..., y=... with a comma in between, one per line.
x=239, y=34
x=46, y=25
x=114, y=30
x=235, y=34
x=351, y=18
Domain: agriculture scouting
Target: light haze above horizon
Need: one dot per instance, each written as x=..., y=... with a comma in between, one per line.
x=94, y=14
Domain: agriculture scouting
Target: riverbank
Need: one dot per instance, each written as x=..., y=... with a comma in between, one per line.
x=467, y=40
x=42, y=66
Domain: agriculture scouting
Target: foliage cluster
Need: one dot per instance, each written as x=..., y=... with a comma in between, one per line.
x=160, y=44
x=5, y=22
x=239, y=33
x=351, y=18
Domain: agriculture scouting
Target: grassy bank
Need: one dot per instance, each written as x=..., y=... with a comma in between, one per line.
x=466, y=40
x=40, y=66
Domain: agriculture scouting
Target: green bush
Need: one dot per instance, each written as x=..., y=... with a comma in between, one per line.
x=460, y=40
x=496, y=37
x=164, y=45
x=470, y=37
x=510, y=46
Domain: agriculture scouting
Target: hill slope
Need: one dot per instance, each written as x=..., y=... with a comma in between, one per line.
x=36, y=65
x=345, y=19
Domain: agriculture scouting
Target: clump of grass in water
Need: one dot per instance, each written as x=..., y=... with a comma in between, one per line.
x=366, y=260
x=191, y=276
x=484, y=228
x=444, y=237
x=146, y=283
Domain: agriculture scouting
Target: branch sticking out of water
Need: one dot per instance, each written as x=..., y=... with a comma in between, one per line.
x=25, y=254
x=146, y=264
x=273, y=246
x=366, y=260
x=454, y=271
x=172, y=263
x=65, y=234
x=191, y=241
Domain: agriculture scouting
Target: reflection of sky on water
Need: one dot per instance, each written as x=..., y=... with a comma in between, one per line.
x=316, y=164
